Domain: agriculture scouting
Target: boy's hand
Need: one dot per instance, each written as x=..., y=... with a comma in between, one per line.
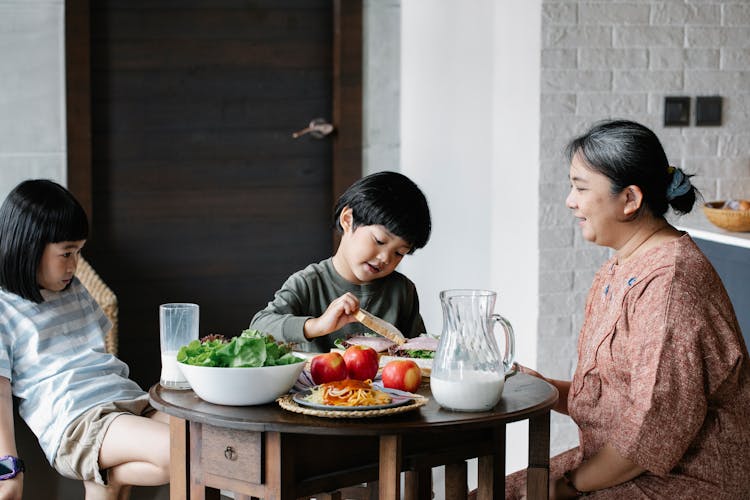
x=340, y=312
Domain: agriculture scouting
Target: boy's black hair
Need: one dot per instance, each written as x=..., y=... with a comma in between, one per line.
x=35, y=213
x=388, y=199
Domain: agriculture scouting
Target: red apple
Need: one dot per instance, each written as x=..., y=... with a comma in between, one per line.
x=402, y=374
x=361, y=362
x=328, y=367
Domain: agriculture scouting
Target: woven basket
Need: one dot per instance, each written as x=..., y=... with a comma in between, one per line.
x=731, y=220
x=104, y=296
x=288, y=403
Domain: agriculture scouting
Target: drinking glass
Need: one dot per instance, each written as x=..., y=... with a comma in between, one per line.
x=178, y=325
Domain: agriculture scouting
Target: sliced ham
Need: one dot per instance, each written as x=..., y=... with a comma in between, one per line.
x=421, y=343
x=380, y=344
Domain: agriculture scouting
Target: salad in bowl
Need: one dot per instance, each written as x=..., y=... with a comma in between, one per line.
x=250, y=369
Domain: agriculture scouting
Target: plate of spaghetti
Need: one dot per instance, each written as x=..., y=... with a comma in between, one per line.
x=351, y=395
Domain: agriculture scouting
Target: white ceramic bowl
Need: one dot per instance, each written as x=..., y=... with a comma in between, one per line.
x=241, y=386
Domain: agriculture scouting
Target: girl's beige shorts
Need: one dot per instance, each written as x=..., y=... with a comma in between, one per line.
x=78, y=454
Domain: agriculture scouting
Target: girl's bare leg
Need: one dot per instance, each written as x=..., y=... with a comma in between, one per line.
x=95, y=491
x=159, y=417
x=135, y=451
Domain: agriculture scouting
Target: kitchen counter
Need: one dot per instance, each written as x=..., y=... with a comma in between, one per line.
x=729, y=252
x=699, y=227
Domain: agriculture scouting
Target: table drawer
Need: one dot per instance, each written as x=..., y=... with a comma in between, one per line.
x=231, y=453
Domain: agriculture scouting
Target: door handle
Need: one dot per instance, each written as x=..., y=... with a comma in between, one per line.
x=318, y=128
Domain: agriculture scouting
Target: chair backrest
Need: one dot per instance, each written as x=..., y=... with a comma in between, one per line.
x=104, y=296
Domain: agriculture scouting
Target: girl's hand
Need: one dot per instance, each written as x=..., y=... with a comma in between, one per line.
x=340, y=312
x=12, y=489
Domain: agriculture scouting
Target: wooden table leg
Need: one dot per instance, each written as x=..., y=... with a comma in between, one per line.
x=456, y=485
x=491, y=469
x=537, y=478
x=418, y=484
x=279, y=467
x=389, y=481
x=410, y=485
x=197, y=488
x=179, y=459
x=335, y=495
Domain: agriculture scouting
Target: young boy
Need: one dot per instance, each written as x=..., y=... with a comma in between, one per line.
x=381, y=218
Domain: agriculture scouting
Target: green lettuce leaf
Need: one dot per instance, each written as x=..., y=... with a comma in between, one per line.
x=251, y=348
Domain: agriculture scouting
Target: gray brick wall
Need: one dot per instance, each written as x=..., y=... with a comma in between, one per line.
x=610, y=59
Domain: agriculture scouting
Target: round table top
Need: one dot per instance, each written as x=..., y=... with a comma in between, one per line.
x=524, y=396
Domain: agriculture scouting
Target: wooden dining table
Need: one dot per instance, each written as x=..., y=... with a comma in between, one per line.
x=272, y=453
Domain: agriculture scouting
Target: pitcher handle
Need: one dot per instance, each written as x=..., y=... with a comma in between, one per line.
x=510, y=342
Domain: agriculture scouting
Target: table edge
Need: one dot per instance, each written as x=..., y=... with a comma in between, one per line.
x=325, y=426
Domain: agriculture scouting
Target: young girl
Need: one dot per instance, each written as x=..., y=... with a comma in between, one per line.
x=92, y=422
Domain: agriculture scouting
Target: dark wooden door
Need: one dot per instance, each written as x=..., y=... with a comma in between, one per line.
x=197, y=190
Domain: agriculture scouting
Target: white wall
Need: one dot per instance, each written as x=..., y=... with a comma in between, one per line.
x=470, y=139
x=515, y=214
x=446, y=142
x=515, y=210
x=32, y=95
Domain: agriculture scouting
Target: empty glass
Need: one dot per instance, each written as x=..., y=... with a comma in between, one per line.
x=178, y=325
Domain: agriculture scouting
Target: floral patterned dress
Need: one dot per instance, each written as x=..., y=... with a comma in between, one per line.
x=663, y=377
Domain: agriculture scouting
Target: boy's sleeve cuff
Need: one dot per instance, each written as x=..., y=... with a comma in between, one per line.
x=294, y=329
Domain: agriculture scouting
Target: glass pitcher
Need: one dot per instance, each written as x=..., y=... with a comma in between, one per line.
x=468, y=373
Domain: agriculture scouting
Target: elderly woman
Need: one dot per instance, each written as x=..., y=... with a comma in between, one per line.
x=661, y=391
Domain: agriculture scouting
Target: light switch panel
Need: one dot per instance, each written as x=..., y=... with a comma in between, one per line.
x=676, y=111
x=708, y=111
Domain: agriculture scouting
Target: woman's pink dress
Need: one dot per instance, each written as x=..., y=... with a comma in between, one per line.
x=663, y=377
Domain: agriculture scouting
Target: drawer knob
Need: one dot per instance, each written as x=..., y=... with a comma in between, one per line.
x=229, y=453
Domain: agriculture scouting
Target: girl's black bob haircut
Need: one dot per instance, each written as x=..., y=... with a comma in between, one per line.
x=391, y=200
x=35, y=213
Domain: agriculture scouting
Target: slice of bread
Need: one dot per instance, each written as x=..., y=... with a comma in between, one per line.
x=380, y=326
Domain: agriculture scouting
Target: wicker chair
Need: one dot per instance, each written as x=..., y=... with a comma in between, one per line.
x=104, y=296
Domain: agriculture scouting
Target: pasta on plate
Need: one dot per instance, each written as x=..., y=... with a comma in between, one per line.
x=348, y=392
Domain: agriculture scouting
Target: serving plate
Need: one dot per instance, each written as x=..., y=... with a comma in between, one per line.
x=398, y=398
